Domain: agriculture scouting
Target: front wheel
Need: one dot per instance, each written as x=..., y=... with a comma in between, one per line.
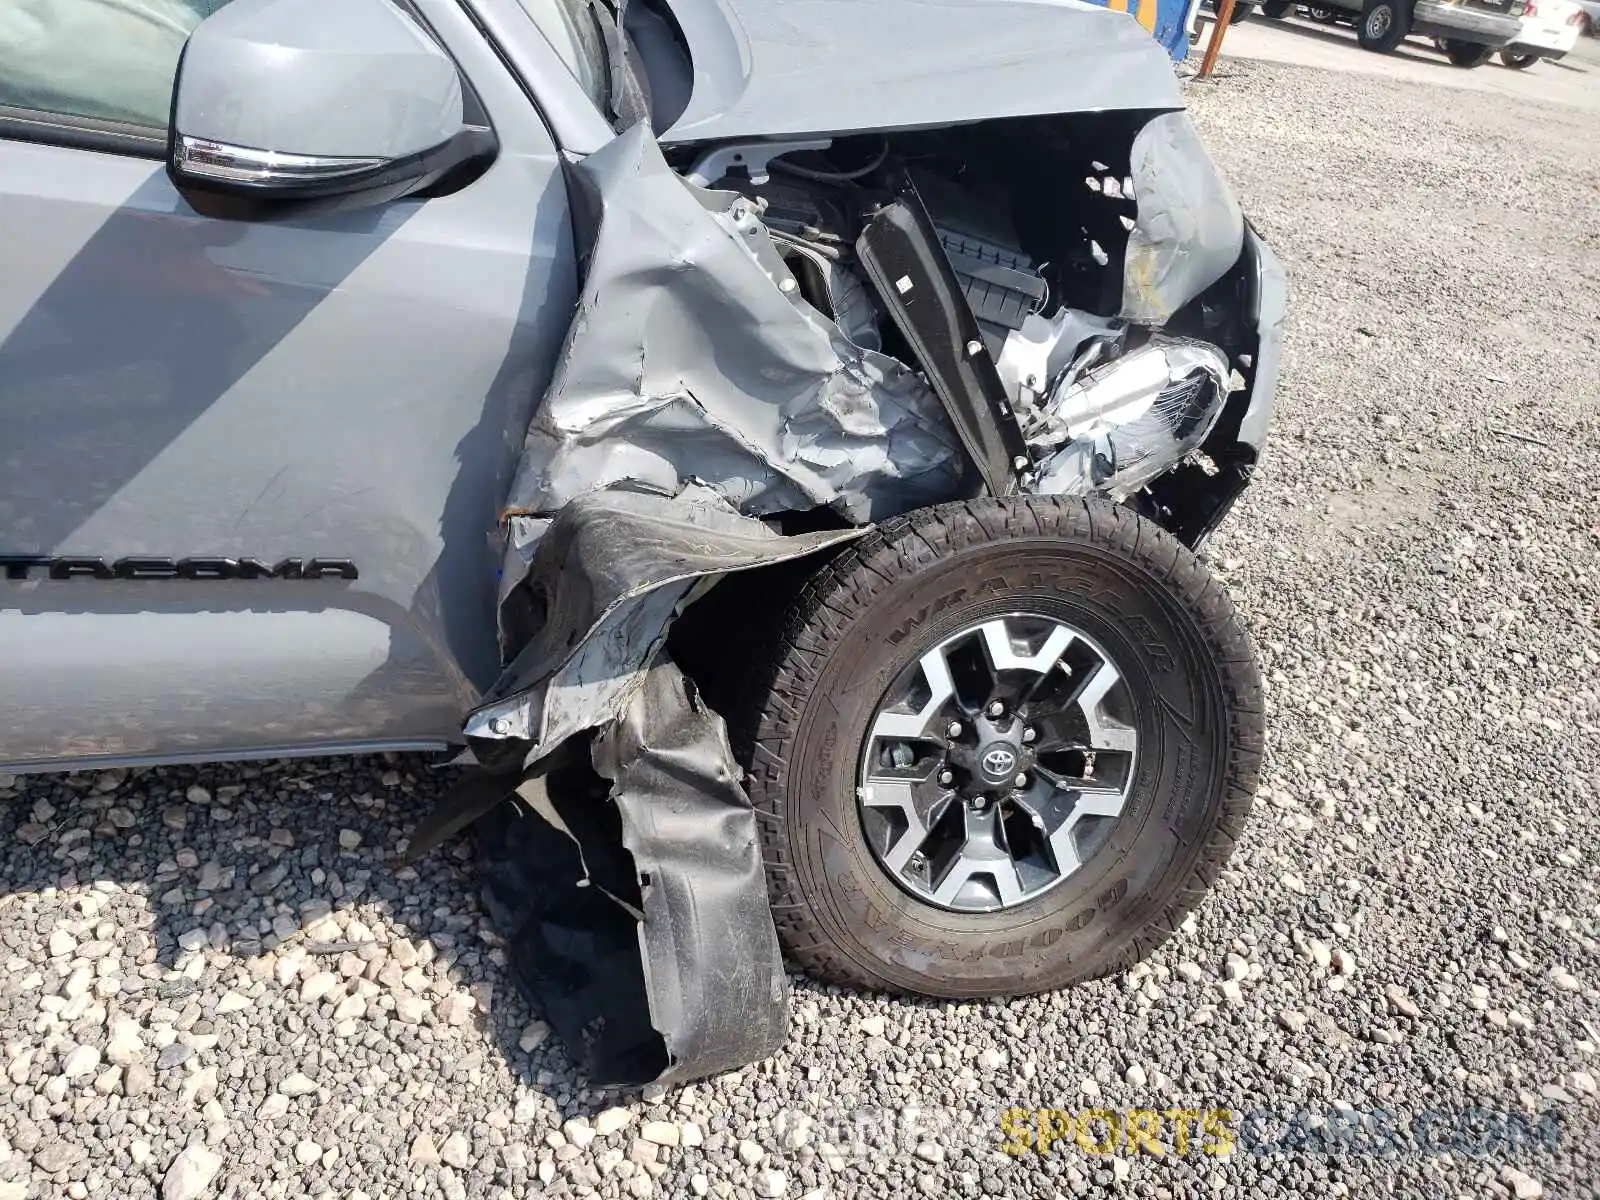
x=1383, y=25
x=1466, y=54
x=1518, y=62
x=1003, y=746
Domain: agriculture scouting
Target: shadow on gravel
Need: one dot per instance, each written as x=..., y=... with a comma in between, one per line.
x=165, y=883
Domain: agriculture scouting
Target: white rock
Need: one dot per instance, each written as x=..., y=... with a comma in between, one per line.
x=699, y=1184
x=61, y=942
x=1191, y=971
x=191, y=1173
x=871, y=1026
x=80, y=1062
x=1318, y=952
x=455, y=1009
x=990, y=1059
x=273, y=1107
x=692, y=1135
x=409, y=1008
x=610, y=1122
x=1565, y=980
x=1400, y=1000
x=1523, y=1187
x=1344, y=962
x=288, y=965
x=349, y=1009
x=349, y=839
x=317, y=986
x=232, y=1002
x=1291, y=1020
x=307, y=1152
x=456, y=1151
x=534, y=1035
x=297, y=1085
x=771, y=1184
x=1236, y=967
x=578, y=1132
x=750, y=1153
x=423, y=1152
x=661, y=1133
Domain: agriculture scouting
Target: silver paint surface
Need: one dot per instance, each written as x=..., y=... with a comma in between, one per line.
x=352, y=385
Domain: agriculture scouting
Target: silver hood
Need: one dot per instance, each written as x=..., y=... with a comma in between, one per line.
x=777, y=68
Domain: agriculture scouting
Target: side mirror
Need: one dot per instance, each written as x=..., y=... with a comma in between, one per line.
x=306, y=100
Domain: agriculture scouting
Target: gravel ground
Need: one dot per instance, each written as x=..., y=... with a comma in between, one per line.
x=211, y=983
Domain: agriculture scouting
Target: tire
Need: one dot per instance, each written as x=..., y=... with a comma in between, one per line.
x=1194, y=705
x=1277, y=9
x=1517, y=62
x=1383, y=25
x=1466, y=54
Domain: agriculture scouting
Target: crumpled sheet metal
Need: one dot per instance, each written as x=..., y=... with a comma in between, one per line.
x=692, y=357
x=613, y=566
x=639, y=921
x=1189, y=230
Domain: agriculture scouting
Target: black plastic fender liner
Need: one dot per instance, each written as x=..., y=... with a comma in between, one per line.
x=718, y=991
x=634, y=901
x=901, y=252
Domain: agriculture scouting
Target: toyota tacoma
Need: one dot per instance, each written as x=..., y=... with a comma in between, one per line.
x=765, y=442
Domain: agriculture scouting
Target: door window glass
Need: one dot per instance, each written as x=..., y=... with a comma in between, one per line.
x=112, y=60
x=570, y=28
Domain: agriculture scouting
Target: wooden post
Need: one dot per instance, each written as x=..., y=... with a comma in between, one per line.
x=1214, y=46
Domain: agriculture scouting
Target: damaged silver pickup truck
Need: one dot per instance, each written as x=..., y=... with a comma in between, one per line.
x=766, y=440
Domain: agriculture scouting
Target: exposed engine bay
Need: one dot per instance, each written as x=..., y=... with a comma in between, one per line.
x=1068, y=307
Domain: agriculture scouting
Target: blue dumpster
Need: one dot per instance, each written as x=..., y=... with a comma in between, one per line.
x=1169, y=21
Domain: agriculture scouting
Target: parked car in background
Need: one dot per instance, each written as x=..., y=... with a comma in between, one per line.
x=1550, y=28
x=1241, y=9
x=1468, y=31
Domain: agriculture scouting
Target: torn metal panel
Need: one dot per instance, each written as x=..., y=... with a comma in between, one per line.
x=1189, y=231
x=610, y=571
x=693, y=357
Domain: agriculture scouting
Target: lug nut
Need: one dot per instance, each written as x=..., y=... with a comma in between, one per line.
x=954, y=730
x=997, y=709
x=1029, y=734
x=1022, y=779
x=947, y=777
